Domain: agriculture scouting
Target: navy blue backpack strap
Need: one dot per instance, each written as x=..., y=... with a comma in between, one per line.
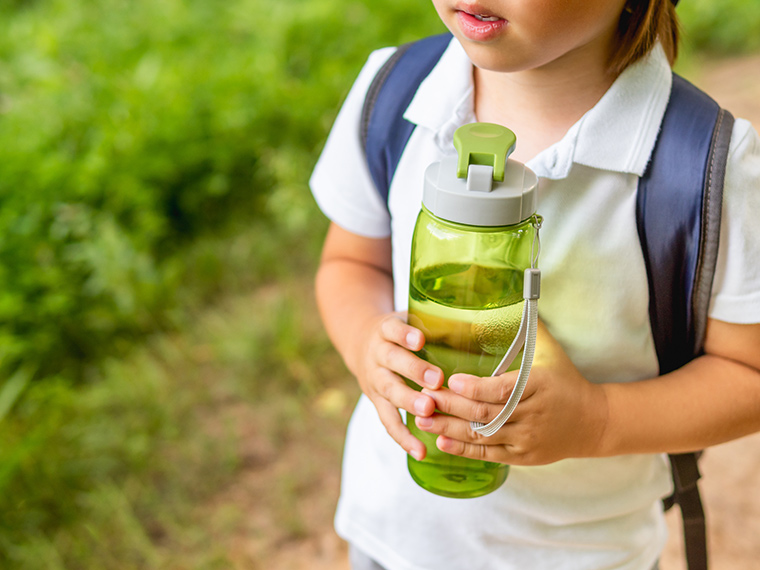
x=384, y=131
x=678, y=216
x=679, y=206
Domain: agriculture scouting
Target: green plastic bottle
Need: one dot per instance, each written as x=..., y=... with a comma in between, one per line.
x=472, y=242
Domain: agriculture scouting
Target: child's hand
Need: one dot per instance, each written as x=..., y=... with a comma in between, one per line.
x=560, y=415
x=386, y=360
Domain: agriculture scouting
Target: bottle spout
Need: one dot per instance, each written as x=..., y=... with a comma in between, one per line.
x=483, y=144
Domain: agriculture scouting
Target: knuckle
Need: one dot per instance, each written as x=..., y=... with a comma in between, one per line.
x=391, y=429
x=388, y=388
x=504, y=390
x=481, y=412
x=385, y=391
x=392, y=423
x=518, y=453
x=525, y=452
x=479, y=439
x=417, y=368
x=517, y=458
x=479, y=452
x=386, y=352
x=396, y=433
x=441, y=404
x=373, y=351
x=389, y=326
x=385, y=326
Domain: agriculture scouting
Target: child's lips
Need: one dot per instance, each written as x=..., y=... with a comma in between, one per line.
x=479, y=12
x=478, y=24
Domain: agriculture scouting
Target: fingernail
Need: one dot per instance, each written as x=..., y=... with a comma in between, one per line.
x=412, y=339
x=456, y=385
x=419, y=406
x=430, y=378
x=416, y=454
x=424, y=422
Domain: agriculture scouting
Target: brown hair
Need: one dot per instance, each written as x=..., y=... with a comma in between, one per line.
x=642, y=24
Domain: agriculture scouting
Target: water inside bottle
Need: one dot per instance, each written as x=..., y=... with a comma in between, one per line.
x=469, y=314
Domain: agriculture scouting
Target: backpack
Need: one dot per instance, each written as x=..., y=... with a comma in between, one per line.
x=678, y=214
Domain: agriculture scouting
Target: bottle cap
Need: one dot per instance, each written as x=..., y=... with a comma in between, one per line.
x=481, y=186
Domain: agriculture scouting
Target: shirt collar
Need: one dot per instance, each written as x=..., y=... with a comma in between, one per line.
x=444, y=100
x=617, y=134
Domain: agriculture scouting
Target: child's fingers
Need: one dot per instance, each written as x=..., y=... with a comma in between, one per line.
x=410, y=366
x=449, y=426
x=509, y=445
x=394, y=425
x=494, y=453
x=495, y=389
x=394, y=390
x=453, y=404
x=460, y=430
x=396, y=330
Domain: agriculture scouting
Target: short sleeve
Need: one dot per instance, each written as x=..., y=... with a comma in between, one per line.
x=341, y=182
x=736, y=289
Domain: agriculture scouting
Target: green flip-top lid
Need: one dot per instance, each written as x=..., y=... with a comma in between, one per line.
x=481, y=186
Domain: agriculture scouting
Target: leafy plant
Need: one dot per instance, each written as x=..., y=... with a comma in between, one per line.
x=131, y=128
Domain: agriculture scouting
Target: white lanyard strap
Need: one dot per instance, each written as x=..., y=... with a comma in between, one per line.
x=525, y=339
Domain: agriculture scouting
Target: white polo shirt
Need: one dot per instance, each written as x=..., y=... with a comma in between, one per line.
x=574, y=514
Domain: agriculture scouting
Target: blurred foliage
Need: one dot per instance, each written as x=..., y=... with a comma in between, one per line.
x=129, y=128
x=721, y=28
x=154, y=157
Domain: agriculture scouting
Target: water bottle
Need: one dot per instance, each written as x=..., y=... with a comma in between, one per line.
x=474, y=242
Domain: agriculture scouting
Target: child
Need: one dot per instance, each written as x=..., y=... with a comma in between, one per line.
x=584, y=85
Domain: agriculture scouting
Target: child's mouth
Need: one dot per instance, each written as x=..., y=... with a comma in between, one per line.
x=480, y=26
x=484, y=18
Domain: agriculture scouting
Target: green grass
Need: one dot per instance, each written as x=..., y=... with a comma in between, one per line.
x=126, y=470
x=131, y=469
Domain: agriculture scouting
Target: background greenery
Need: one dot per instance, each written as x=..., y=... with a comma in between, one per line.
x=157, y=241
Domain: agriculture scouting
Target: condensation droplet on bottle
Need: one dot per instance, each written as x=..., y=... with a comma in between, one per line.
x=494, y=329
